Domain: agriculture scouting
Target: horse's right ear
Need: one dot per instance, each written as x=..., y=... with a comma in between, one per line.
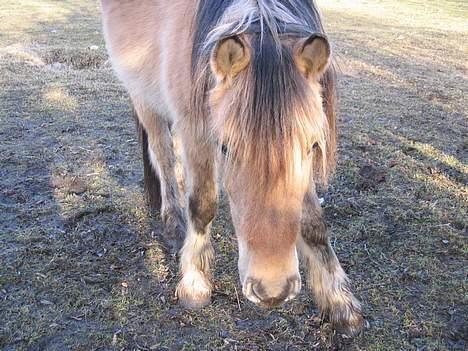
x=312, y=55
x=229, y=57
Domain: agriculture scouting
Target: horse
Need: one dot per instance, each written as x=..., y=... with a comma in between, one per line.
x=248, y=88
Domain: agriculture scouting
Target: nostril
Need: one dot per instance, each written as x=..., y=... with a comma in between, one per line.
x=259, y=291
x=250, y=293
x=294, y=287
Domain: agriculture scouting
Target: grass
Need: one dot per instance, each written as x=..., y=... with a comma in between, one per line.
x=81, y=265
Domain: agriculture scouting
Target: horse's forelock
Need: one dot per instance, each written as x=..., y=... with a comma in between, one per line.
x=274, y=115
x=272, y=107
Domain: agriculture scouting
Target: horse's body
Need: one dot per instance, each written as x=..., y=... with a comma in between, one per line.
x=247, y=86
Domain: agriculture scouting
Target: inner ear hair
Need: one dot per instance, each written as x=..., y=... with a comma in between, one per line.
x=230, y=56
x=313, y=55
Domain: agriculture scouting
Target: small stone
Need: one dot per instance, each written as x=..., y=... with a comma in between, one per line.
x=57, y=66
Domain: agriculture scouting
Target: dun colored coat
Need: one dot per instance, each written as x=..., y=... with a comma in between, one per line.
x=248, y=88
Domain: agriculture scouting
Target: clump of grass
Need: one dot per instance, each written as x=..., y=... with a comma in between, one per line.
x=75, y=58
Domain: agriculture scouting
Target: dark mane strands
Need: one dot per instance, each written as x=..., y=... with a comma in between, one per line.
x=208, y=15
x=272, y=102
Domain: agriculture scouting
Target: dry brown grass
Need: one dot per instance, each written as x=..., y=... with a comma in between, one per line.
x=81, y=265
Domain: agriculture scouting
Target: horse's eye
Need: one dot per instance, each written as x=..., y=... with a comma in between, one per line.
x=224, y=149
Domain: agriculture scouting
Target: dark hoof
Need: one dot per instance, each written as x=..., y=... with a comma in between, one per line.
x=350, y=328
x=348, y=320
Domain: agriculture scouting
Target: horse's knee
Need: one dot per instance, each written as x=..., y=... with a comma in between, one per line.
x=202, y=210
x=314, y=232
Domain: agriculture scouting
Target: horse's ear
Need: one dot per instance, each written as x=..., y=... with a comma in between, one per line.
x=312, y=55
x=229, y=57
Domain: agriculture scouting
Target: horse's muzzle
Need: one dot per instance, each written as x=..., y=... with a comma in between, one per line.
x=257, y=292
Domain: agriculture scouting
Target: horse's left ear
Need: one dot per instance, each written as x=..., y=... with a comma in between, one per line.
x=312, y=55
x=229, y=57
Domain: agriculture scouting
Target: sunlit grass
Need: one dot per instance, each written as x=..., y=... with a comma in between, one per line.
x=24, y=15
x=59, y=98
x=443, y=184
x=18, y=52
x=400, y=29
x=447, y=15
x=355, y=67
x=449, y=160
x=37, y=22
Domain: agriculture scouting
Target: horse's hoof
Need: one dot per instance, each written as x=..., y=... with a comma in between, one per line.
x=350, y=329
x=348, y=321
x=194, y=290
x=195, y=303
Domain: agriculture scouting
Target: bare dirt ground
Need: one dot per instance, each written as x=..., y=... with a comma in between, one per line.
x=80, y=263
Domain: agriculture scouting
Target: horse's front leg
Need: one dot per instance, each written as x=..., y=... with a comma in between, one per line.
x=163, y=160
x=327, y=279
x=194, y=289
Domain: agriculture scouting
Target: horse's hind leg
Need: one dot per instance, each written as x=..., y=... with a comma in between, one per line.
x=194, y=289
x=163, y=160
x=151, y=178
x=327, y=278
